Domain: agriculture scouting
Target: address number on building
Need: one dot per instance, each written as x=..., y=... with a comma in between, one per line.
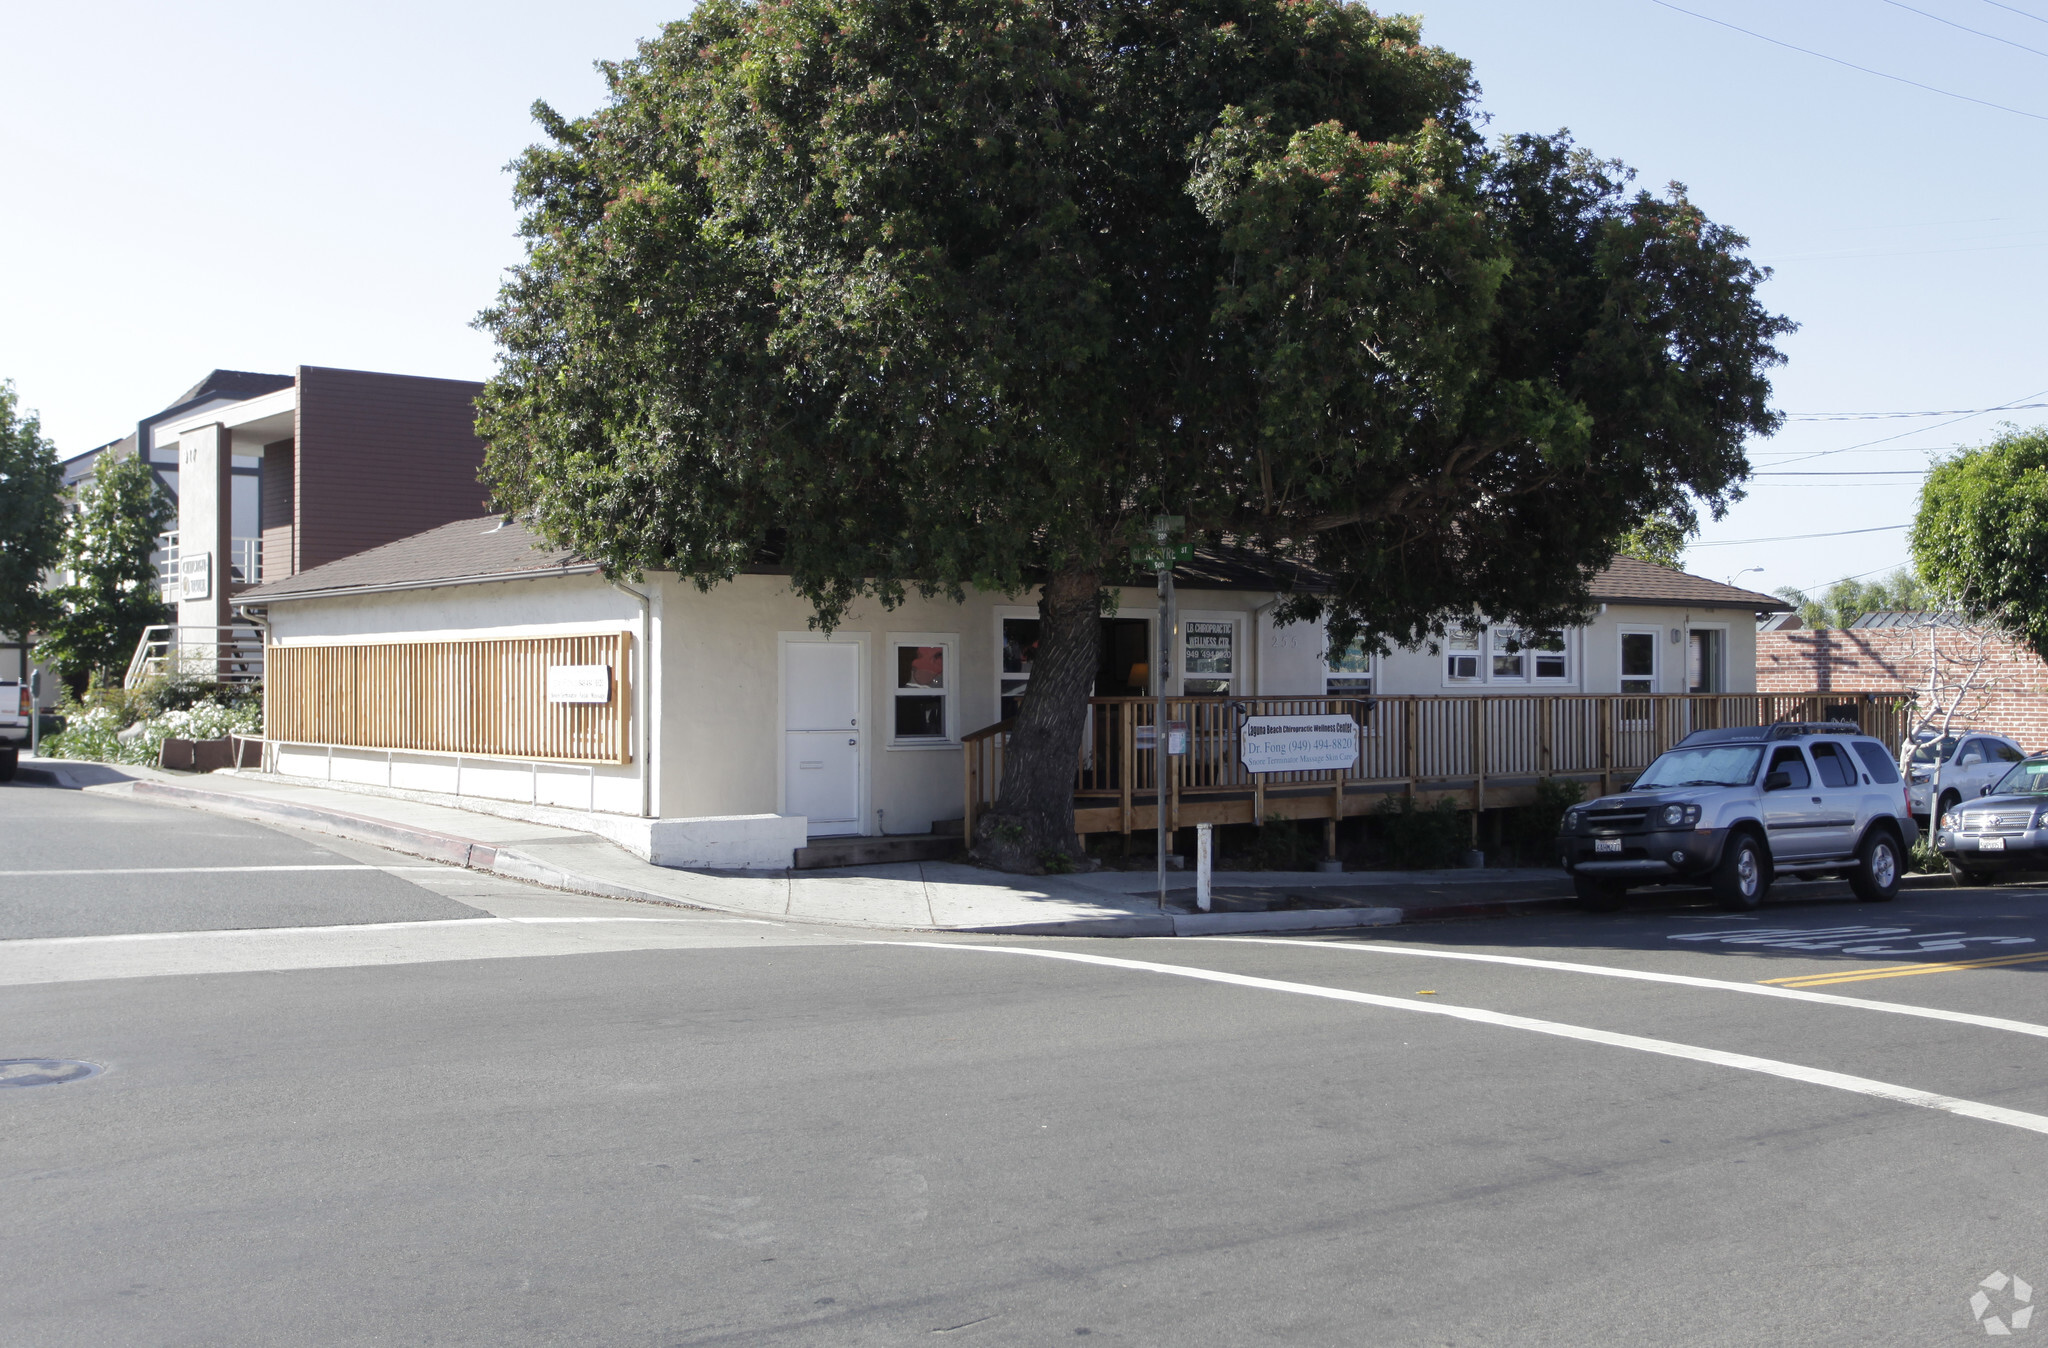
x=579, y=683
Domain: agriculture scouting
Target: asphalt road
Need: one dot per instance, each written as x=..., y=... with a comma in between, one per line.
x=759, y=1133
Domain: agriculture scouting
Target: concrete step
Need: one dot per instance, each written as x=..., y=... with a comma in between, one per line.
x=825, y=852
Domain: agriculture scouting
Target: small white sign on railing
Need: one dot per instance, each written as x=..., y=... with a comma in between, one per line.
x=1298, y=743
x=580, y=683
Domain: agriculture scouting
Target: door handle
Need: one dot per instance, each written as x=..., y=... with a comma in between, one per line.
x=853, y=741
x=1816, y=800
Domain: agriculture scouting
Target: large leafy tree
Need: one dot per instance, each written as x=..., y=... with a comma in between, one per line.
x=963, y=292
x=1980, y=536
x=31, y=516
x=109, y=594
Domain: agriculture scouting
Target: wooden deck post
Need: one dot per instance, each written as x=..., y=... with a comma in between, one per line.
x=969, y=761
x=1606, y=710
x=1546, y=763
x=1410, y=708
x=1128, y=748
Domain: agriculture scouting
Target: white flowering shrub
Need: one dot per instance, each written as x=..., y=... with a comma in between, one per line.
x=96, y=734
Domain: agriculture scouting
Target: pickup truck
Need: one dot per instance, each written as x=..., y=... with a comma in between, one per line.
x=16, y=707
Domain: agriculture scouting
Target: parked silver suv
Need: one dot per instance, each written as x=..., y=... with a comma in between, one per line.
x=1736, y=807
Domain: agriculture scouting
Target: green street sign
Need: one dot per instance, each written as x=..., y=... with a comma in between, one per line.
x=1153, y=558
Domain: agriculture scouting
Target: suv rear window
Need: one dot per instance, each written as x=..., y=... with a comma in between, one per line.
x=1877, y=761
x=1834, y=769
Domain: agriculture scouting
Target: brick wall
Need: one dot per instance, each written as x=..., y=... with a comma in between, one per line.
x=381, y=457
x=2014, y=681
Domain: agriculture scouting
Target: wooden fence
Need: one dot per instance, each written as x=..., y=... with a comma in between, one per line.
x=482, y=698
x=1480, y=751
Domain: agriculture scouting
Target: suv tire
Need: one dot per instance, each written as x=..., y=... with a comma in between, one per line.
x=9, y=758
x=1876, y=877
x=1965, y=876
x=1743, y=875
x=1598, y=896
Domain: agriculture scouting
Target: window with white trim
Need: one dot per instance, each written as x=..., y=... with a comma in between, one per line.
x=1210, y=657
x=922, y=676
x=1638, y=662
x=1348, y=673
x=1462, y=654
x=1020, y=651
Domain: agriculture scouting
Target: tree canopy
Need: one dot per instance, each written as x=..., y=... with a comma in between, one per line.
x=31, y=516
x=110, y=591
x=1843, y=602
x=963, y=292
x=1981, y=533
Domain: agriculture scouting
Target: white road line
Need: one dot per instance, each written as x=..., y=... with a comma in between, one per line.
x=1882, y=1090
x=117, y=937
x=193, y=870
x=1644, y=975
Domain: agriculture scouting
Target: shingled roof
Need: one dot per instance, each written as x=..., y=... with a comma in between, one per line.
x=492, y=548
x=1628, y=581
x=488, y=548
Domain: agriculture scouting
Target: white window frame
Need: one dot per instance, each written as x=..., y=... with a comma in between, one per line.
x=1236, y=622
x=1621, y=635
x=1478, y=654
x=1726, y=640
x=948, y=642
x=1370, y=676
x=1002, y=613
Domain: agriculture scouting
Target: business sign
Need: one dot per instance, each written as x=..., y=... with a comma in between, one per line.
x=1176, y=738
x=195, y=575
x=580, y=683
x=1298, y=743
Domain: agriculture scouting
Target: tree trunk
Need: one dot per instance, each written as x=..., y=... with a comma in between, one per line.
x=1030, y=828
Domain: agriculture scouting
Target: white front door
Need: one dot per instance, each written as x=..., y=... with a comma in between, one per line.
x=821, y=734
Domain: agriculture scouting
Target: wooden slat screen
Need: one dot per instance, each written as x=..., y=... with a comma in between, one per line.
x=487, y=698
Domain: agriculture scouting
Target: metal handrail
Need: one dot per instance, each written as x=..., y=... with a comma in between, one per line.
x=231, y=654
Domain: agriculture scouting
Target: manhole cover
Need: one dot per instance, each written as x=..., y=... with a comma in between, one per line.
x=44, y=1071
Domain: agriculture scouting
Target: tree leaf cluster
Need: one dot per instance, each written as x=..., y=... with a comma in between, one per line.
x=31, y=516
x=1842, y=603
x=1981, y=533
x=962, y=292
x=109, y=592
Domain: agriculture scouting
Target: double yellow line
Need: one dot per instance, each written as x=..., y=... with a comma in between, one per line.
x=1904, y=971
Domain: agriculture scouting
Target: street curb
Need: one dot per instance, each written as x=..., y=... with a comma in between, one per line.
x=517, y=865
x=417, y=842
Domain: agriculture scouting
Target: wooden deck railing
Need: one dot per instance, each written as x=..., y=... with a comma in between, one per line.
x=1483, y=750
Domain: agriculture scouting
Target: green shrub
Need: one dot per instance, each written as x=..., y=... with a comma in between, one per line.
x=1422, y=838
x=1282, y=845
x=1531, y=830
x=1924, y=859
x=95, y=733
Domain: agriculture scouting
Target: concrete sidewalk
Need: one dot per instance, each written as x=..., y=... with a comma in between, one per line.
x=945, y=896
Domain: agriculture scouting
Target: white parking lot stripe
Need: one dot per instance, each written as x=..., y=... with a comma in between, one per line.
x=192, y=870
x=1881, y=1090
x=242, y=933
x=1646, y=976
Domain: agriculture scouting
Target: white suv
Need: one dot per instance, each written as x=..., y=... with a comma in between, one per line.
x=1970, y=761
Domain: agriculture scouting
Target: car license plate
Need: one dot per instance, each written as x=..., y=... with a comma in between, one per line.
x=1606, y=844
x=1991, y=844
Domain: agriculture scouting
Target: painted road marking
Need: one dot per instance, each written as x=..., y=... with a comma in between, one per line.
x=1646, y=976
x=1850, y=940
x=1881, y=1090
x=18, y=942
x=194, y=870
x=1904, y=971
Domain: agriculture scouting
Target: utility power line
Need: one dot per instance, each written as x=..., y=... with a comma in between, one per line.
x=1977, y=32
x=1882, y=416
x=1794, y=538
x=2012, y=10
x=1883, y=75
x=1887, y=439
x=1848, y=472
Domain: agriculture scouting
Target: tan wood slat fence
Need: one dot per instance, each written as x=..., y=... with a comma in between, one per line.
x=1482, y=750
x=482, y=698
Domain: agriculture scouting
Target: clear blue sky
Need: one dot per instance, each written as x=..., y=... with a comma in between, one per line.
x=262, y=186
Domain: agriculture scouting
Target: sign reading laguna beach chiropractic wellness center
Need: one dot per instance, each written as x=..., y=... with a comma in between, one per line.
x=1298, y=743
x=579, y=683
